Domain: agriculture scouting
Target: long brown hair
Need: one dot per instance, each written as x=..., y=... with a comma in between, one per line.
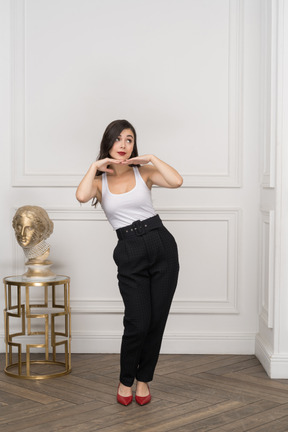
x=112, y=132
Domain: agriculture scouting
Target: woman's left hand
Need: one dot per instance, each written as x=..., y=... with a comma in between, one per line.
x=138, y=160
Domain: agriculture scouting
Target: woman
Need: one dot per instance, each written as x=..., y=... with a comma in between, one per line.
x=146, y=253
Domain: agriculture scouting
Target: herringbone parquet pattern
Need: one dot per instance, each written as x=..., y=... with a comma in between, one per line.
x=218, y=393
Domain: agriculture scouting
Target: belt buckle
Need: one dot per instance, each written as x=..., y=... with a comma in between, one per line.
x=138, y=228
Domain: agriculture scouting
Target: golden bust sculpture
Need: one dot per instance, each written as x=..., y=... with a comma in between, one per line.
x=32, y=227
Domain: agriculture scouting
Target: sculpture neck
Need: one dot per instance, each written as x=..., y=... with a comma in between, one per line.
x=37, y=250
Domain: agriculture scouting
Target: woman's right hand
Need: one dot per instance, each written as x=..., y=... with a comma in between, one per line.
x=88, y=187
x=102, y=164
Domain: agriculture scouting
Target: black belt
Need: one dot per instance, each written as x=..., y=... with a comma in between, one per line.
x=139, y=228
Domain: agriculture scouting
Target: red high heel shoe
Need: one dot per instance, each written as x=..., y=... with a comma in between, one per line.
x=124, y=400
x=143, y=400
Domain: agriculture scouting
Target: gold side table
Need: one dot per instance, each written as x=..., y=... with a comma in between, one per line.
x=23, y=326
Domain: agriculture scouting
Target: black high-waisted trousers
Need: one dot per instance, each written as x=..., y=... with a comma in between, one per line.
x=147, y=259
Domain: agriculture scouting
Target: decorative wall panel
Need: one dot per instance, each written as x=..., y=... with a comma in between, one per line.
x=208, y=242
x=269, y=77
x=67, y=86
x=267, y=258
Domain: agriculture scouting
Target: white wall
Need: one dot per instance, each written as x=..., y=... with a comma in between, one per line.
x=186, y=74
x=272, y=339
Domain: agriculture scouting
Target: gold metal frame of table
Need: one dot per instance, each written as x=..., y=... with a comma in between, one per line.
x=25, y=313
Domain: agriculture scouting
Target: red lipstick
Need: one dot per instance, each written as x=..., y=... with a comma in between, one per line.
x=121, y=153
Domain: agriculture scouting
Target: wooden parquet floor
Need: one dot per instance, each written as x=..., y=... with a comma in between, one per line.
x=190, y=393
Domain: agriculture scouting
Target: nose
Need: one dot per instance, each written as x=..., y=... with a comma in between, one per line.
x=122, y=143
x=23, y=231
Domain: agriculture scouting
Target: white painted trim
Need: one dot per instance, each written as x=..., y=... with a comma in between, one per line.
x=267, y=311
x=281, y=199
x=235, y=103
x=271, y=267
x=231, y=178
x=279, y=366
x=269, y=84
x=173, y=343
x=229, y=305
x=274, y=355
x=276, y=365
x=170, y=213
x=263, y=352
x=209, y=343
x=179, y=307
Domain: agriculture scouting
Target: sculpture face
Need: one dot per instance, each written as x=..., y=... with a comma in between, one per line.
x=26, y=231
x=32, y=226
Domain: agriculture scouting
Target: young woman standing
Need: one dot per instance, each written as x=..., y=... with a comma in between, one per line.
x=146, y=253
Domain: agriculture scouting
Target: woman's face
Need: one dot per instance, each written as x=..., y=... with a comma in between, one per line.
x=26, y=231
x=123, y=146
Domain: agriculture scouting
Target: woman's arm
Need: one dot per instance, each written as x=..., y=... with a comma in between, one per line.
x=89, y=185
x=87, y=188
x=160, y=173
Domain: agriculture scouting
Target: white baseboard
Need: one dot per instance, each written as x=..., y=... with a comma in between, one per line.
x=264, y=353
x=276, y=365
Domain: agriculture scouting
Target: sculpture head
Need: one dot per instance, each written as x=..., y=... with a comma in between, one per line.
x=31, y=225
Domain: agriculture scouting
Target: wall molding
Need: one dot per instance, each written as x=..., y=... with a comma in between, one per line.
x=228, y=305
x=269, y=88
x=266, y=309
x=276, y=365
x=187, y=306
x=173, y=343
x=24, y=178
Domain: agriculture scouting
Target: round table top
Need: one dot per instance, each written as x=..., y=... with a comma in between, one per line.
x=20, y=280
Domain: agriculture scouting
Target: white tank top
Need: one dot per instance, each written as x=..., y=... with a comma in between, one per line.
x=124, y=209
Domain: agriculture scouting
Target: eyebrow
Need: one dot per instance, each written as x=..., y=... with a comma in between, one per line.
x=131, y=136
